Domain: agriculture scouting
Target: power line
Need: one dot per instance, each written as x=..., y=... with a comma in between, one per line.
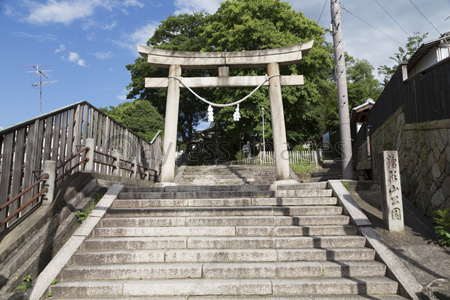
x=364, y=21
x=323, y=8
x=392, y=17
x=425, y=17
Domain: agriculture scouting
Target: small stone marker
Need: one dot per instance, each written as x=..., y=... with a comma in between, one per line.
x=391, y=191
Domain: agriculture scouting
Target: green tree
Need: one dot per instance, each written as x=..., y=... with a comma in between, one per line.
x=240, y=25
x=361, y=82
x=413, y=44
x=180, y=33
x=139, y=116
x=257, y=25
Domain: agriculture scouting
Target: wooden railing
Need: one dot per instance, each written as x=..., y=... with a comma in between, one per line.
x=61, y=136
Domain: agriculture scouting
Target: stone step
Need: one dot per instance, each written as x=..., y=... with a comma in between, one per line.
x=228, y=176
x=155, y=243
x=274, y=242
x=140, y=203
x=243, y=188
x=303, y=193
x=226, y=231
x=304, y=186
x=234, y=171
x=242, y=287
x=224, y=255
x=225, y=211
x=222, y=188
x=247, y=181
x=225, y=221
x=326, y=297
x=231, y=172
x=205, y=194
x=223, y=270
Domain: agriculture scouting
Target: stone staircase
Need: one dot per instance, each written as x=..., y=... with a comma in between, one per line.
x=228, y=174
x=225, y=242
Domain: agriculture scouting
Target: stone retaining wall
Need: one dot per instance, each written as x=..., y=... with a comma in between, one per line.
x=424, y=156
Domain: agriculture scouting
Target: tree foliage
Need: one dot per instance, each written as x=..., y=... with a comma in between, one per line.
x=362, y=84
x=413, y=44
x=180, y=33
x=244, y=25
x=139, y=116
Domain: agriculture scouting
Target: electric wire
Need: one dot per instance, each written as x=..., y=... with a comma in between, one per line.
x=392, y=18
x=425, y=17
x=364, y=21
x=323, y=8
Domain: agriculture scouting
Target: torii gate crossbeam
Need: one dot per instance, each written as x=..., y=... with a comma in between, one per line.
x=270, y=58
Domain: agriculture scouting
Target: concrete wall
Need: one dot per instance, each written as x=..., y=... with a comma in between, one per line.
x=424, y=157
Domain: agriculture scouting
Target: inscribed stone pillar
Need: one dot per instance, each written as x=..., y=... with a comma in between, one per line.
x=89, y=167
x=49, y=167
x=171, y=125
x=278, y=127
x=391, y=191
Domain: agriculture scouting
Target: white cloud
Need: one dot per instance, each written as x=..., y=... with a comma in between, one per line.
x=190, y=6
x=91, y=36
x=38, y=37
x=67, y=11
x=60, y=12
x=142, y=34
x=9, y=11
x=122, y=97
x=93, y=23
x=103, y=55
x=60, y=48
x=109, y=26
x=134, y=3
x=139, y=37
x=75, y=58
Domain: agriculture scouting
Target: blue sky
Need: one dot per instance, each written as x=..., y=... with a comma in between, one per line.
x=87, y=43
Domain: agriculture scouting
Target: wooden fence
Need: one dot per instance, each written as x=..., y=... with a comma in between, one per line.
x=423, y=96
x=295, y=157
x=57, y=136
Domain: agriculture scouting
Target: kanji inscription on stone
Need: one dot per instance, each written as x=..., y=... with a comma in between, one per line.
x=391, y=191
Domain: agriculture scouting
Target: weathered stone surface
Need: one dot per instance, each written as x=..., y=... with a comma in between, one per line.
x=435, y=171
x=446, y=187
x=437, y=199
x=194, y=60
x=443, y=162
x=391, y=192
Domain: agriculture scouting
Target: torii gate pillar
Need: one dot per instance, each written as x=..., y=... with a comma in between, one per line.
x=171, y=125
x=272, y=58
x=278, y=125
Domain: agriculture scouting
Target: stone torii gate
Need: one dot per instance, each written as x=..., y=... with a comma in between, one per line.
x=178, y=60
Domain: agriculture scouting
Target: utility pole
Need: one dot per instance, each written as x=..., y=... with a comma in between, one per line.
x=341, y=78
